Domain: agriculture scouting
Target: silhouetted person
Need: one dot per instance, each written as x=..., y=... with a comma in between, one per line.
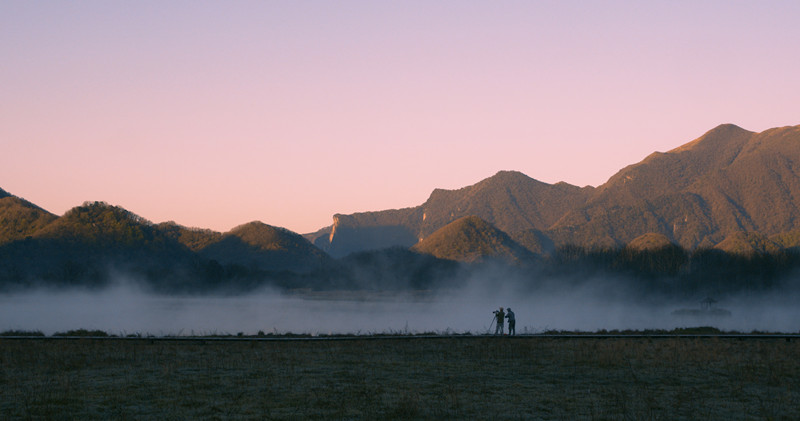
x=500, y=316
x=512, y=322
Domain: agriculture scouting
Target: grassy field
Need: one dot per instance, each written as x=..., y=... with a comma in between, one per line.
x=441, y=378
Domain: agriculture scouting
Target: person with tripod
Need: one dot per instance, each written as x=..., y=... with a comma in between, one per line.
x=499, y=315
x=512, y=322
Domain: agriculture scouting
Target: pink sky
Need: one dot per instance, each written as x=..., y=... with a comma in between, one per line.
x=213, y=114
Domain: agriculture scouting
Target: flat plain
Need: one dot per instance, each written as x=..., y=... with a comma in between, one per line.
x=474, y=377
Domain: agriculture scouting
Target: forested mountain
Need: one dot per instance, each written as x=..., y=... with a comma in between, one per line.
x=194, y=238
x=471, y=239
x=726, y=182
x=92, y=243
x=260, y=246
x=97, y=244
x=20, y=218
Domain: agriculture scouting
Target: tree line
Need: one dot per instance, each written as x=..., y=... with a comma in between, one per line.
x=169, y=267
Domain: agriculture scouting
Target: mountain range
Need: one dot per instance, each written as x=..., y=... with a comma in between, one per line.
x=707, y=193
x=731, y=190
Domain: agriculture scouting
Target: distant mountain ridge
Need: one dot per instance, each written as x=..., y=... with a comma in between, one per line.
x=509, y=200
x=91, y=244
x=720, y=213
x=728, y=181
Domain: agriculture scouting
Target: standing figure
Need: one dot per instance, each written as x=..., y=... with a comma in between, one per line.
x=512, y=322
x=500, y=316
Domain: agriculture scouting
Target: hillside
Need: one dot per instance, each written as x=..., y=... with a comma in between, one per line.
x=509, y=200
x=726, y=181
x=101, y=225
x=97, y=244
x=260, y=246
x=471, y=239
x=536, y=241
x=747, y=244
x=194, y=238
x=19, y=218
x=650, y=242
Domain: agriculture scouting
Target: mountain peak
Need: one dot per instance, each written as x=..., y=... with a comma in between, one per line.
x=665, y=173
x=508, y=178
x=249, y=226
x=724, y=134
x=258, y=245
x=471, y=239
x=102, y=212
x=510, y=175
x=267, y=237
x=4, y=193
x=726, y=128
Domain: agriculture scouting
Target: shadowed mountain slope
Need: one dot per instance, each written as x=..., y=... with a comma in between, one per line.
x=536, y=241
x=90, y=245
x=471, y=239
x=399, y=268
x=260, y=246
x=96, y=244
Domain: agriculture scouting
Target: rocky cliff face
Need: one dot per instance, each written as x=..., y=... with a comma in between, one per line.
x=369, y=231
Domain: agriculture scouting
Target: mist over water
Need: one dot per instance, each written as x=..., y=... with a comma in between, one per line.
x=124, y=310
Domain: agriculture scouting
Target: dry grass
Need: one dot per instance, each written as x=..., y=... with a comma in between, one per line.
x=447, y=378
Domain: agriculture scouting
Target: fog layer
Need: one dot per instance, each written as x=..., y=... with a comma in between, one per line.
x=123, y=310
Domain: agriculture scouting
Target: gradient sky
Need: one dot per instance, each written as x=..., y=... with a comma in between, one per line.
x=213, y=114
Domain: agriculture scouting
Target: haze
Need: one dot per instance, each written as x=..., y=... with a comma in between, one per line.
x=594, y=305
x=213, y=114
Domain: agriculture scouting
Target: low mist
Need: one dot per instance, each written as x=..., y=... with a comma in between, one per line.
x=592, y=306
